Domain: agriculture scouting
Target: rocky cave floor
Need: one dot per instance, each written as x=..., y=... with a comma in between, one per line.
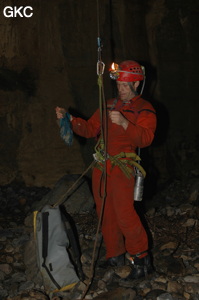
x=172, y=225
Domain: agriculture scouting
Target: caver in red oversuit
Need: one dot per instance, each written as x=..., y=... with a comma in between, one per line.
x=121, y=226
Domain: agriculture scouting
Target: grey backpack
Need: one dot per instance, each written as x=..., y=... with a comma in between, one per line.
x=55, y=264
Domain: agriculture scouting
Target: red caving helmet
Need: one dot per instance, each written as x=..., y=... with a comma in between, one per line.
x=128, y=71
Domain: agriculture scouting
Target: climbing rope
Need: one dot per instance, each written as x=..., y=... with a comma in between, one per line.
x=103, y=143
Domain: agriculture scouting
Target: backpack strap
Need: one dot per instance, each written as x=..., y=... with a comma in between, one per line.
x=45, y=230
x=73, y=241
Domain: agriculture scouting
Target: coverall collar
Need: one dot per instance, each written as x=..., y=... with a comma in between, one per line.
x=132, y=100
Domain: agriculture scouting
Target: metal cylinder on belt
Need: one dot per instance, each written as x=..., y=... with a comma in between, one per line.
x=139, y=186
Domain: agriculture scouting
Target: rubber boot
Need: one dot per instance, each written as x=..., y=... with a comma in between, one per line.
x=116, y=261
x=141, y=267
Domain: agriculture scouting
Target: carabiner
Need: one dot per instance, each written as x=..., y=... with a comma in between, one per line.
x=100, y=67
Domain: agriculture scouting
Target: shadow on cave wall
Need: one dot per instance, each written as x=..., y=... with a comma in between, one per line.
x=11, y=80
x=163, y=124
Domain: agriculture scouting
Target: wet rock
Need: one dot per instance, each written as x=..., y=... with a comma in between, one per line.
x=169, y=245
x=190, y=223
x=18, y=277
x=159, y=286
x=118, y=294
x=21, y=240
x=192, y=288
x=174, y=287
x=151, y=212
x=9, y=259
x=176, y=260
x=28, y=285
x=170, y=211
x=32, y=295
x=78, y=291
x=123, y=272
x=18, y=257
x=194, y=279
x=186, y=208
x=108, y=275
x=28, y=222
x=86, y=257
x=153, y=295
x=102, y=284
x=81, y=200
x=6, y=268
x=161, y=279
x=186, y=296
x=144, y=291
x=165, y=296
x=196, y=264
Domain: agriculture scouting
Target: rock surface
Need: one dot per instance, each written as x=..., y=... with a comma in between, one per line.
x=174, y=247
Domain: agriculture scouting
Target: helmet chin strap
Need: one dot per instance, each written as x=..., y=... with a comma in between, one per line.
x=132, y=88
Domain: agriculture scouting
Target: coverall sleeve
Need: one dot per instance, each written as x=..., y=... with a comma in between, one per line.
x=142, y=132
x=87, y=128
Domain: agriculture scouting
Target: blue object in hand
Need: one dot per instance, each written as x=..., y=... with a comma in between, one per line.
x=66, y=132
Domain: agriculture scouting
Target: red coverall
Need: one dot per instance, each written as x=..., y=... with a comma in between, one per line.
x=121, y=227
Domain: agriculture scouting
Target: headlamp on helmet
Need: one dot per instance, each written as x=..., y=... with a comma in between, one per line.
x=129, y=71
x=114, y=71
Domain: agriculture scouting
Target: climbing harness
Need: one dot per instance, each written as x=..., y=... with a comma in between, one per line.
x=128, y=162
x=124, y=160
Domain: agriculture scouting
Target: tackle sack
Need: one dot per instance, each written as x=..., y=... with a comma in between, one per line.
x=53, y=257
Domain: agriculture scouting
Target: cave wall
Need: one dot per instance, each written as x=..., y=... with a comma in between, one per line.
x=50, y=59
